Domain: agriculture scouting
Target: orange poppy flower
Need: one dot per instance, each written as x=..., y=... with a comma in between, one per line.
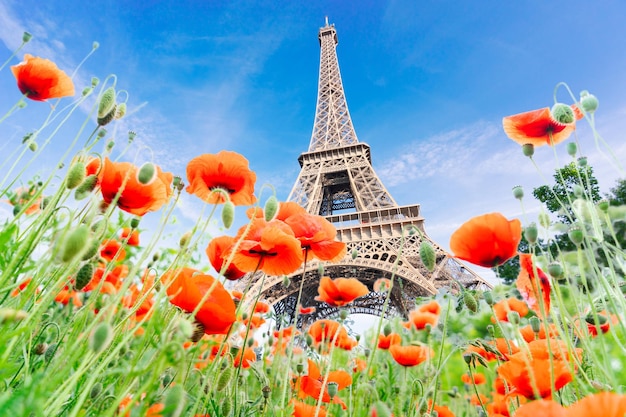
x=502, y=308
x=22, y=196
x=248, y=356
x=21, y=286
x=311, y=384
x=307, y=310
x=506, y=347
x=134, y=198
x=432, y=307
x=538, y=127
x=317, y=236
x=66, y=295
x=384, y=342
x=488, y=240
x=529, y=335
x=285, y=209
x=325, y=331
x=442, y=410
x=420, y=319
x=227, y=171
x=478, y=378
x=533, y=287
x=340, y=291
x=382, y=284
x=218, y=251
x=301, y=409
x=111, y=249
x=602, y=404
x=40, y=79
x=188, y=287
x=410, y=355
x=132, y=235
x=269, y=247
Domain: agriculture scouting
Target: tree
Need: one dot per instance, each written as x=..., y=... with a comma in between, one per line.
x=617, y=197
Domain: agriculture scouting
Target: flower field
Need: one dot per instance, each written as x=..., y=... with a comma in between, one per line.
x=99, y=318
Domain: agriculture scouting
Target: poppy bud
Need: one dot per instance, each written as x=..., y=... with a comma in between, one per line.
x=175, y=401
x=582, y=161
x=86, y=91
x=270, y=341
x=491, y=330
x=266, y=391
x=146, y=173
x=354, y=253
x=75, y=243
x=544, y=220
x=271, y=208
x=11, y=315
x=467, y=358
x=134, y=222
x=198, y=331
x=95, y=81
x=131, y=136
x=40, y=349
x=184, y=240
x=75, y=175
x=531, y=233
x=332, y=389
x=95, y=390
x=250, y=342
x=343, y=314
x=535, y=324
x=572, y=148
x=107, y=103
x=518, y=192
x=528, y=150
x=309, y=340
x=227, y=406
x=32, y=145
x=589, y=102
x=555, y=270
x=470, y=302
x=224, y=378
x=101, y=337
x=513, y=317
x=300, y=368
x=488, y=296
x=576, y=235
x=563, y=113
x=427, y=254
x=228, y=214
x=387, y=329
x=120, y=111
x=83, y=276
x=26, y=37
x=110, y=144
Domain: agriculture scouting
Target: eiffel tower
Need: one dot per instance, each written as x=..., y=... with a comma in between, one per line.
x=338, y=181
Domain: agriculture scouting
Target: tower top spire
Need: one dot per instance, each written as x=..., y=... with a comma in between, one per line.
x=326, y=20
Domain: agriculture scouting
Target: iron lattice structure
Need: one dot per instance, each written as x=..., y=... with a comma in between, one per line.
x=338, y=181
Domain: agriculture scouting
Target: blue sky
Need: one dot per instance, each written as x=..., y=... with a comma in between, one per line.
x=427, y=84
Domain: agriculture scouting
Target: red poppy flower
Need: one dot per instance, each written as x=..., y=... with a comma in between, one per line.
x=502, y=309
x=227, y=171
x=134, y=198
x=248, y=356
x=410, y=355
x=307, y=310
x=420, y=319
x=132, y=235
x=537, y=127
x=442, y=410
x=269, y=247
x=21, y=286
x=311, y=384
x=340, y=291
x=529, y=334
x=66, y=295
x=325, y=331
x=317, y=236
x=301, y=409
x=218, y=251
x=488, y=240
x=432, y=307
x=604, y=404
x=382, y=284
x=533, y=287
x=40, y=79
x=384, y=342
x=478, y=378
x=112, y=249
x=188, y=287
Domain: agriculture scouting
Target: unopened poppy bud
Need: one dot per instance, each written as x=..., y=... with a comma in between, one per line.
x=49, y=354
x=555, y=270
x=134, y=222
x=286, y=281
x=102, y=133
x=470, y=302
x=244, y=316
x=184, y=240
x=589, y=102
x=228, y=214
x=491, y=330
x=531, y=233
x=101, y=337
x=544, y=220
x=75, y=243
x=343, y=314
x=309, y=340
x=563, y=113
x=83, y=276
x=175, y=401
x=518, y=192
x=270, y=341
x=120, y=111
x=576, y=235
x=467, y=358
x=198, y=331
x=577, y=190
x=427, y=254
x=250, y=342
x=535, y=324
x=95, y=81
x=224, y=378
x=354, y=253
x=32, y=145
x=95, y=390
x=320, y=269
x=266, y=391
x=271, y=208
x=131, y=137
x=300, y=368
x=26, y=37
x=75, y=175
x=107, y=102
x=572, y=148
x=387, y=329
x=109, y=146
x=582, y=161
x=146, y=173
x=488, y=296
x=528, y=149
x=40, y=348
x=11, y=315
x=185, y=328
x=332, y=389
x=86, y=91
x=513, y=317
x=95, y=45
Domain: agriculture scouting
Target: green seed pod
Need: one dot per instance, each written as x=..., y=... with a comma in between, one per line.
x=32, y=145
x=603, y=205
x=555, y=270
x=95, y=81
x=120, y=111
x=86, y=187
x=228, y=214
x=582, y=161
x=563, y=113
x=470, y=302
x=300, y=368
x=50, y=352
x=184, y=240
x=110, y=145
x=131, y=136
x=174, y=401
x=427, y=254
x=488, y=296
x=343, y=314
x=576, y=235
x=572, y=148
x=513, y=317
x=531, y=233
x=83, y=276
x=86, y=91
x=271, y=208
x=544, y=220
x=146, y=173
x=309, y=340
x=528, y=149
x=75, y=175
x=588, y=102
x=102, y=133
x=266, y=390
x=101, y=337
x=354, y=253
x=107, y=103
x=96, y=390
x=518, y=192
x=535, y=324
x=224, y=378
x=332, y=389
x=26, y=37
x=227, y=406
x=75, y=243
x=134, y=222
x=286, y=281
x=167, y=380
x=387, y=329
